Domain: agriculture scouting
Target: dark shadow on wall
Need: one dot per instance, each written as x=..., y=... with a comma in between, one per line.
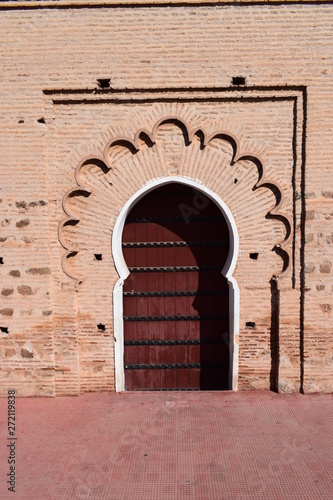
x=275, y=333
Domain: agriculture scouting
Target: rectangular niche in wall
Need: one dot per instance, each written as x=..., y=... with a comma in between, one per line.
x=269, y=122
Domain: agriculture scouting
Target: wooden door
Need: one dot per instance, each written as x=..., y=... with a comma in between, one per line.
x=176, y=305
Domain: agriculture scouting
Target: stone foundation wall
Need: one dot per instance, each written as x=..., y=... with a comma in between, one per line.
x=255, y=81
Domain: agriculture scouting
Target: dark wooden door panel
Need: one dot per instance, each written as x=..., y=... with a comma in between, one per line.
x=176, y=324
x=173, y=305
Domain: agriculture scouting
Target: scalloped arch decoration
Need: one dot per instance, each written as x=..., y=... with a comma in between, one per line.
x=191, y=157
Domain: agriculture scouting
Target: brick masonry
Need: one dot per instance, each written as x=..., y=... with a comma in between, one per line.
x=163, y=61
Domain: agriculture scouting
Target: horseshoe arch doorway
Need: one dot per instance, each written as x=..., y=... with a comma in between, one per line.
x=178, y=317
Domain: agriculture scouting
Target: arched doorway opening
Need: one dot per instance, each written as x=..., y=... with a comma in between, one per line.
x=123, y=272
x=175, y=299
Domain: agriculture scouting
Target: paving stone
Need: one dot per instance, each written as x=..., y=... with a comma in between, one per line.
x=172, y=446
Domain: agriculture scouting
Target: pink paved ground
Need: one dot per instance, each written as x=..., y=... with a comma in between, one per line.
x=168, y=446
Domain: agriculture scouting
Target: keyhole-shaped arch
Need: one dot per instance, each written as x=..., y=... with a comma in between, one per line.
x=227, y=271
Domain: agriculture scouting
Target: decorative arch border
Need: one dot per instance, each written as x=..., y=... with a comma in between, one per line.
x=123, y=272
x=103, y=162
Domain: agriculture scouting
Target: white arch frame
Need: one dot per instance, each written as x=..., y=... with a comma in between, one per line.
x=123, y=272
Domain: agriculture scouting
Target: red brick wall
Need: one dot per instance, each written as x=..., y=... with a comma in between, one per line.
x=283, y=116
